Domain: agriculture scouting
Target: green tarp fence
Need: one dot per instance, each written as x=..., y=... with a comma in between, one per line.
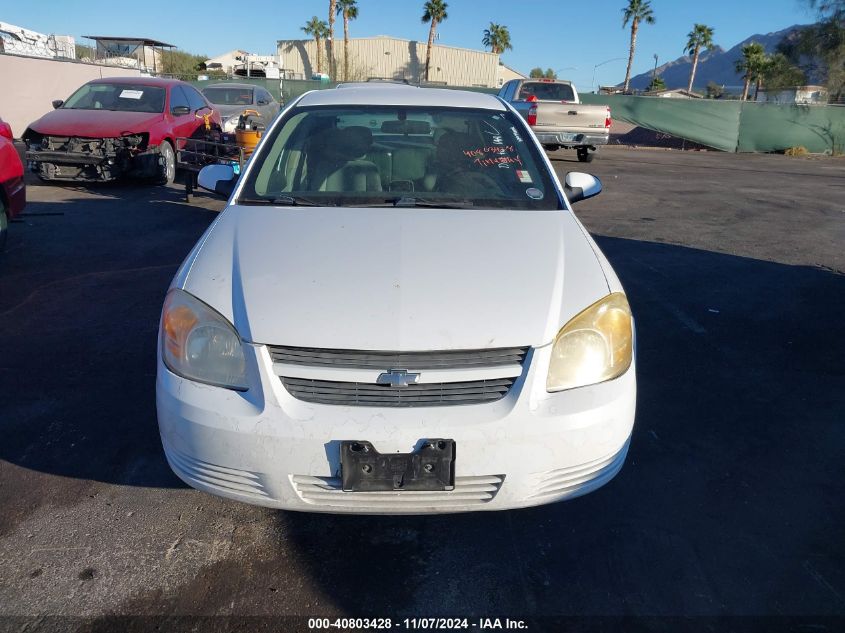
x=731, y=126
x=734, y=126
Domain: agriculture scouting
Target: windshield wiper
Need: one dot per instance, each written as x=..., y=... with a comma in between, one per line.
x=408, y=202
x=286, y=201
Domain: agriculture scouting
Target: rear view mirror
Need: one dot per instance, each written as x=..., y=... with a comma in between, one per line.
x=219, y=179
x=579, y=186
x=406, y=127
x=58, y=103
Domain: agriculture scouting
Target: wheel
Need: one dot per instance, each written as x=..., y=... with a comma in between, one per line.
x=4, y=225
x=585, y=155
x=166, y=164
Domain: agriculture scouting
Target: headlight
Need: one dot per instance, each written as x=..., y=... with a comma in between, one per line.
x=199, y=344
x=596, y=345
x=231, y=123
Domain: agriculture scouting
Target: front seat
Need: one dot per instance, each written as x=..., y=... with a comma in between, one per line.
x=339, y=164
x=453, y=170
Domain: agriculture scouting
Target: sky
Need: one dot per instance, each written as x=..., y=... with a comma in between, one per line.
x=570, y=36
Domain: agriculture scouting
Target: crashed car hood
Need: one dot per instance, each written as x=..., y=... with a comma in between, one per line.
x=94, y=123
x=394, y=279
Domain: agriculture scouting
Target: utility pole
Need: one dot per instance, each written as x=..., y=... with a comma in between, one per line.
x=654, y=74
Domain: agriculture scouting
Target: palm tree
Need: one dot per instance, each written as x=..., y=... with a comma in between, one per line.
x=701, y=37
x=330, y=39
x=435, y=12
x=751, y=65
x=349, y=10
x=498, y=38
x=637, y=11
x=318, y=29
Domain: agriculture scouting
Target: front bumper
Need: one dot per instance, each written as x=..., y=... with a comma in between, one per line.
x=265, y=447
x=90, y=160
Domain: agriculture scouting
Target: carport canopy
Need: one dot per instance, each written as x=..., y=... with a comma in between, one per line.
x=109, y=47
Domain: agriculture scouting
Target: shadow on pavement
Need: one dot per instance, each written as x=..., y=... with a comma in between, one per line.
x=730, y=503
x=81, y=288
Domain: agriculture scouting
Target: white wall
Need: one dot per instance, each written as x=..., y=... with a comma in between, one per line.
x=29, y=85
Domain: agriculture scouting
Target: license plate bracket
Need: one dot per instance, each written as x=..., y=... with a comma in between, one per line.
x=429, y=468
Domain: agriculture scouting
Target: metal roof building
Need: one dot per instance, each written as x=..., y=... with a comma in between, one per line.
x=386, y=57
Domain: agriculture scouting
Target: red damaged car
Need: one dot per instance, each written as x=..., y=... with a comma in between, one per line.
x=109, y=128
x=12, y=189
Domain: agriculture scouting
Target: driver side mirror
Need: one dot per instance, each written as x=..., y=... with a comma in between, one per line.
x=579, y=186
x=219, y=179
x=58, y=103
x=180, y=110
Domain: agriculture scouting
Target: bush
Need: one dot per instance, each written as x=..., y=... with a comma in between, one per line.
x=799, y=150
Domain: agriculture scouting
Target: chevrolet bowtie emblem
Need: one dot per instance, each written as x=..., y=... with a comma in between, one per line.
x=397, y=378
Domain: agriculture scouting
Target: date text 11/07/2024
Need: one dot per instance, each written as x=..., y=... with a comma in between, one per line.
x=432, y=624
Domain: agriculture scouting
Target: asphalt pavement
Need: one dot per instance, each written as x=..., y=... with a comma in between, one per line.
x=729, y=514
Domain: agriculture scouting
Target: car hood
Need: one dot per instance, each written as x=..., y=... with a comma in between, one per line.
x=394, y=279
x=94, y=123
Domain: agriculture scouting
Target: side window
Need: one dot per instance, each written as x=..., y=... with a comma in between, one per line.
x=511, y=90
x=195, y=99
x=178, y=98
x=263, y=95
x=503, y=91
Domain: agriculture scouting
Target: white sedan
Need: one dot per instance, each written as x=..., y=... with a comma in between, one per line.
x=397, y=312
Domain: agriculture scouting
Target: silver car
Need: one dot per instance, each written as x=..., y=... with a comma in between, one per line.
x=232, y=99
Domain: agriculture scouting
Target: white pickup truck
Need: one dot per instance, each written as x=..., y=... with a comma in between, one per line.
x=558, y=118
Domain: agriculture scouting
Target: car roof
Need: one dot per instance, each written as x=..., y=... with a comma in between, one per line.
x=224, y=84
x=138, y=81
x=543, y=80
x=373, y=84
x=397, y=95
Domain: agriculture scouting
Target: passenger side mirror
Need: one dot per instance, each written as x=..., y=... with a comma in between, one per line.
x=579, y=186
x=219, y=179
x=263, y=102
x=58, y=103
x=180, y=110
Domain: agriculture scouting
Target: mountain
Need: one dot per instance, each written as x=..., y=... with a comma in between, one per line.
x=716, y=65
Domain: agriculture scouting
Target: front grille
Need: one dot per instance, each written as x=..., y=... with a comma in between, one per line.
x=468, y=491
x=419, y=395
x=383, y=361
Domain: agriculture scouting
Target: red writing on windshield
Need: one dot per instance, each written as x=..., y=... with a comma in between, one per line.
x=498, y=160
x=490, y=149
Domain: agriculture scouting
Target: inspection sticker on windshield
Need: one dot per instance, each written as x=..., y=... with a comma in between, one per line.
x=131, y=94
x=534, y=193
x=523, y=176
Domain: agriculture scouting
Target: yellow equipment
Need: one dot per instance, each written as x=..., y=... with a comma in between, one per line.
x=247, y=134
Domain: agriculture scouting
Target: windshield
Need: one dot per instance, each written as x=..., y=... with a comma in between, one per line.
x=229, y=96
x=122, y=97
x=407, y=156
x=547, y=91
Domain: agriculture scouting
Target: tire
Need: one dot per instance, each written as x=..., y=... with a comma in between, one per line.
x=4, y=225
x=166, y=164
x=585, y=155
